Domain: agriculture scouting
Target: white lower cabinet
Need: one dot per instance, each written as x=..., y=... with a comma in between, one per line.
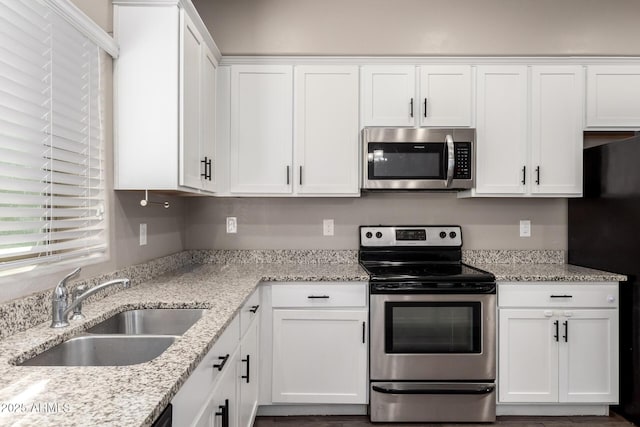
x=221, y=407
x=223, y=389
x=320, y=344
x=248, y=376
x=558, y=343
x=196, y=393
x=319, y=356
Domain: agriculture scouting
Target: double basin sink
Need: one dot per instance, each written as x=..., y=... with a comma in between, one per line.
x=126, y=338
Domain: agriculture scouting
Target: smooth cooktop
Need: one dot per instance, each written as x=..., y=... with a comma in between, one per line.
x=427, y=272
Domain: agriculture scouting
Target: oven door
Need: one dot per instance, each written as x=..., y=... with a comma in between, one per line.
x=433, y=337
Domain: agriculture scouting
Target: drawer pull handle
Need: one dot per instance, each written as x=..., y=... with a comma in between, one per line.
x=561, y=296
x=254, y=308
x=318, y=297
x=221, y=365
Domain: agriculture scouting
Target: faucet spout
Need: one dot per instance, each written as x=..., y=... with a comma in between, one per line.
x=76, y=304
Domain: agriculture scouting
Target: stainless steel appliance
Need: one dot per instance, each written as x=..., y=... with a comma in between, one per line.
x=432, y=327
x=417, y=159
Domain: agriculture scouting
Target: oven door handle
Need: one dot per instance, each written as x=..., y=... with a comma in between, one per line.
x=477, y=389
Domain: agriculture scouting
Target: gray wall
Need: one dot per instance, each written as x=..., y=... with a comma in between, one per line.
x=280, y=223
x=423, y=27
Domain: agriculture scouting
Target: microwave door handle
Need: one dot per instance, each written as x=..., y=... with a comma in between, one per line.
x=451, y=160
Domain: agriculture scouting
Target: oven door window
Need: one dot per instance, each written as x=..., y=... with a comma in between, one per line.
x=406, y=161
x=433, y=327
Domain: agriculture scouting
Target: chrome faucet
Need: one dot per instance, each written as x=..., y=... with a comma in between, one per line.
x=61, y=315
x=59, y=299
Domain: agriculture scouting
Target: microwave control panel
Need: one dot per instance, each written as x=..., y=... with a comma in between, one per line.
x=462, y=169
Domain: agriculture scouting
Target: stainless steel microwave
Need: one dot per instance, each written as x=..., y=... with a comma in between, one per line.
x=417, y=159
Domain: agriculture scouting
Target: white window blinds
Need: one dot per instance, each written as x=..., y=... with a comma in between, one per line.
x=52, y=196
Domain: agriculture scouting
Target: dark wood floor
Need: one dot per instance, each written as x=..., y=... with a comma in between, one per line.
x=613, y=420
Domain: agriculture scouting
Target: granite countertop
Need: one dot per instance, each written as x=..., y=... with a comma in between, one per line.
x=135, y=395
x=548, y=273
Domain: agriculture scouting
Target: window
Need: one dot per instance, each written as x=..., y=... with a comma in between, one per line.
x=52, y=193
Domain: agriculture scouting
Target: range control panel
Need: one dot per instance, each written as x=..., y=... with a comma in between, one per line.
x=421, y=235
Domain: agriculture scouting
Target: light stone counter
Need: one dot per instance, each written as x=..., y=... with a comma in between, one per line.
x=548, y=273
x=135, y=395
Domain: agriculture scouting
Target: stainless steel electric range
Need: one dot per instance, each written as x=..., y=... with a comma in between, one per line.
x=432, y=327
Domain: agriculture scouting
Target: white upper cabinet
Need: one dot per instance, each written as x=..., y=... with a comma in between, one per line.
x=501, y=130
x=293, y=137
x=389, y=95
x=392, y=97
x=445, y=96
x=529, y=131
x=556, y=129
x=261, y=129
x=164, y=86
x=190, y=84
x=207, y=158
x=326, y=137
x=613, y=96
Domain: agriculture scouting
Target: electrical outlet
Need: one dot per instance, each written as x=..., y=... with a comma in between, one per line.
x=327, y=227
x=525, y=228
x=232, y=224
x=143, y=234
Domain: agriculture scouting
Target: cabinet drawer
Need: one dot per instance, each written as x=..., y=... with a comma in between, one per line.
x=249, y=311
x=193, y=393
x=306, y=294
x=557, y=295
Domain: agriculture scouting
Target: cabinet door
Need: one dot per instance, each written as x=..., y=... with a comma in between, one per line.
x=445, y=95
x=501, y=129
x=527, y=356
x=319, y=356
x=613, y=96
x=388, y=95
x=191, y=113
x=248, y=376
x=208, y=115
x=261, y=129
x=222, y=401
x=556, y=130
x=326, y=130
x=589, y=356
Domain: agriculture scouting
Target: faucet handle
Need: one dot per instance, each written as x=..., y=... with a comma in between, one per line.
x=77, y=310
x=69, y=276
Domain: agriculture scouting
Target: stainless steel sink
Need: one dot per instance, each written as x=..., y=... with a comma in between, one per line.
x=103, y=350
x=155, y=321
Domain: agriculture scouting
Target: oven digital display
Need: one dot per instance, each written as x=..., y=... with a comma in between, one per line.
x=411, y=234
